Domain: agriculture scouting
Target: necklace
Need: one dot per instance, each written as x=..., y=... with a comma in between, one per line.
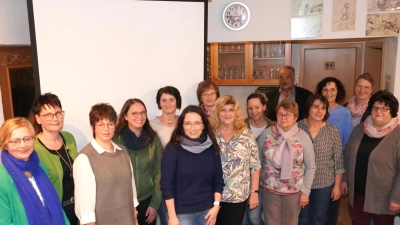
x=27, y=173
x=68, y=157
x=167, y=123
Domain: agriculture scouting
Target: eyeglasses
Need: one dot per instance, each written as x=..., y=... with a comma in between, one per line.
x=383, y=109
x=50, y=116
x=196, y=125
x=286, y=116
x=208, y=94
x=28, y=140
x=332, y=90
x=136, y=114
x=365, y=87
x=101, y=126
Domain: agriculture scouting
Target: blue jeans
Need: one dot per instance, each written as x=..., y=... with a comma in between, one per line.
x=193, y=218
x=253, y=217
x=315, y=212
x=162, y=213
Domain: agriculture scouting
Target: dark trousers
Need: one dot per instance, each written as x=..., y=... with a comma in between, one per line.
x=231, y=213
x=70, y=213
x=142, y=208
x=333, y=212
x=359, y=217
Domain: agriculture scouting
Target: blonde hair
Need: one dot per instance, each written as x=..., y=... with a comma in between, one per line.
x=10, y=125
x=239, y=123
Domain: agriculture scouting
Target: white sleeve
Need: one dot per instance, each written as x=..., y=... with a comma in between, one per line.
x=135, y=201
x=85, y=190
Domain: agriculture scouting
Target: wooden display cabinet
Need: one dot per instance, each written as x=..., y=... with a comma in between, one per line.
x=250, y=63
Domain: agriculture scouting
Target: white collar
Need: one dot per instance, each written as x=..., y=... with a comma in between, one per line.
x=100, y=149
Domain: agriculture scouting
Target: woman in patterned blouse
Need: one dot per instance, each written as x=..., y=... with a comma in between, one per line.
x=240, y=160
x=328, y=159
x=288, y=167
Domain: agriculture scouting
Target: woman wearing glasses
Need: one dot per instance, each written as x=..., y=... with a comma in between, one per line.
x=105, y=191
x=240, y=160
x=372, y=164
x=26, y=194
x=359, y=102
x=207, y=94
x=134, y=132
x=333, y=90
x=288, y=167
x=56, y=148
x=191, y=175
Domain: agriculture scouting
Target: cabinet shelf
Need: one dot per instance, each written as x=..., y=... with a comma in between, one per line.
x=243, y=64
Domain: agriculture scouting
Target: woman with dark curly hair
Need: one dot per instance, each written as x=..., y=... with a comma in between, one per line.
x=340, y=116
x=372, y=164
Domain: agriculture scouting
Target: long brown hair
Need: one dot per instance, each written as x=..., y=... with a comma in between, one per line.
x=122, y=123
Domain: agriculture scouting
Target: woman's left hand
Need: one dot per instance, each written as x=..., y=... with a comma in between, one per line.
x=303, y=200
x=394, y=207
x=335, y=193
x=151, y=214
x=253, y=200
x=211, y=216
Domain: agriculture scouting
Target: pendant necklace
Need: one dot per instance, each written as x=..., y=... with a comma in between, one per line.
x=69, y=160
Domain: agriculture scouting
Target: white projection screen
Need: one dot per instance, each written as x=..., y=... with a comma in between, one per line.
x=111, y=50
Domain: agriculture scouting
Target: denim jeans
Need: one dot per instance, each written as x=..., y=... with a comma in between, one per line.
x=162, y=213
x=193, y=218
x=254, y=216
x=315, y=212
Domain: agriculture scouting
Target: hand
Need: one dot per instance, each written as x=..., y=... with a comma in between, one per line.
x=345, y=188
x=335, y=193
x=394, y=207
x=253, y=200
x=151, y=214
x=303, y=200
x=211, y=216
x=173, y=221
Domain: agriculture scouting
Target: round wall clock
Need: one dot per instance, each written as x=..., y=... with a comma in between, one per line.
x=236, y=16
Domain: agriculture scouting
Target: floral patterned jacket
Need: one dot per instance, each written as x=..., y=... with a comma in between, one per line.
x=239, y=159
x=303, y=164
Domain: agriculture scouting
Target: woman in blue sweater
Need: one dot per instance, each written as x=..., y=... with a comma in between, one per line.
x=191, y=171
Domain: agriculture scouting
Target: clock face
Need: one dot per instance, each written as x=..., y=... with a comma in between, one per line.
x=236, y=16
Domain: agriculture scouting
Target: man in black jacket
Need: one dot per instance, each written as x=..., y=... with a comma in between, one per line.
x=287, y=90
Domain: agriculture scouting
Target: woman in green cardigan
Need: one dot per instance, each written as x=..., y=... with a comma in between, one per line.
x=134, y=132
x=56, y=148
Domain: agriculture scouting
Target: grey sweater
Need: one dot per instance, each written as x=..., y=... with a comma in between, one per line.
x=383, y=175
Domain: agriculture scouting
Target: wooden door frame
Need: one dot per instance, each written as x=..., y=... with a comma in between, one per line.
x=378, y=45
x=357, y=46
x=11, y=57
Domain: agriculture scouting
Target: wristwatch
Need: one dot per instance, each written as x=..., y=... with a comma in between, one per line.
x=216, y=203
x=254, y=191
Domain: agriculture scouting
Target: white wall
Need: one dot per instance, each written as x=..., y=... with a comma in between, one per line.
x=270, y=20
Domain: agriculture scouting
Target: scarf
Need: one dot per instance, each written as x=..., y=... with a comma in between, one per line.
x=37, y=214
x=371, y=131
x=282, y=156
x=357, y=110
x=197, y=145
x=208, y=113
x=133, y=142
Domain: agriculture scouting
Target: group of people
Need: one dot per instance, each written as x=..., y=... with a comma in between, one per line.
x=287, y=163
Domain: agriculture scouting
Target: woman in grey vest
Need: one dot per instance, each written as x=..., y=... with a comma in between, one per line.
x=105, y=190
